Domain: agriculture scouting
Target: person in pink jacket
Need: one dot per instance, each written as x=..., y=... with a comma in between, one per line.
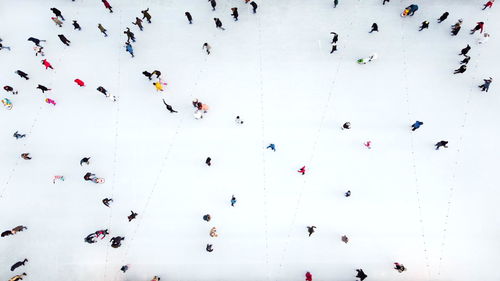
x=50, y=101
x=47, y=64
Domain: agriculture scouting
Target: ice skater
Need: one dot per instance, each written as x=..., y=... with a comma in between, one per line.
x=310, y=230
x=209, y=248
x=207, y=217
x=335, y=37
x=443, y=17
x=461, y=69
x=18, y=264
x=346, y=126
x=465, y=60
x=233, y=200
x=368, y=144
x=18, y=135
x=36, y=41
x=374, y=27
x=302, y=170
x=479, y=26
x=138, y=22
x=218, y=24
x=106, y=201
x=383, y=3
x=22, y=74
x=360, y=274
x=207, y=48
x=147, y=74
x=130, y=35
x=50, y=101
x=309, y=276
x=57, y=21
x=238, y=120
x=85, y=160
x=18, y=277
x=213, y=232
x=124, y=268
x=456, y=27
x=425, y=25
x=4, y=47
x=47, y=64
x=334, y=48
x=60, y=178
x=399, y=267
x=132, y=216
x=254, y=6
x=213, y=4
x=76, y=25
x=272, y=147
x=344, y=239
x=416, y=125
x=116, y=242
x=57, y=13
x=26, y=156
x=146, y=15
x=441, y=144
x=9, y=89
x=335, y=3
x=107, y=6
x=208, y=161
x=486, y=85
x=129, y=49
x=102, y=29
x=63, y=39
x=488, y=4
x=235, y=13
x=347, y=194
x=189, y=17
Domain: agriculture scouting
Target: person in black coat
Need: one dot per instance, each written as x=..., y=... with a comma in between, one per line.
x=374, y=27
x=465, y=50
x=43, y=88
x=116, y=241
x=64, y=39
x=22, y=74
x=18, y=264
x=461, y=69
x=36, y=41
x=361, y=275
x=466, y=60
x=147, y=74
x=57, y=13
x=208, y=161
x=76, y=25
x=254, y=6
x=425, y=24
x=235, y=13
x=218, y=23
x=441, y=144
x=335, y=37
x=189, y=17
x=85, y=160
x=103, y=91
x=213, y=3
x=443, y=17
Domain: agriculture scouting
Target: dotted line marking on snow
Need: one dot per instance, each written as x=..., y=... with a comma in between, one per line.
x=412, y=153
x=264, y=175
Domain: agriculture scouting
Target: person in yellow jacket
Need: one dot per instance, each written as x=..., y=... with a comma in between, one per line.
x=159, y=86
x=17, y=277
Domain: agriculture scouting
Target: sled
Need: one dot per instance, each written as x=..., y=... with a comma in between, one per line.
x=98, y=180
x=405, y=13
x=7, y=103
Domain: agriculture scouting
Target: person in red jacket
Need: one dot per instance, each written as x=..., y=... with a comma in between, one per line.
x=107, y=5
x=488, y=4
x=79, y=82
x=302, y=170
x=309, y=276
x=47, y=64
x=479, y=26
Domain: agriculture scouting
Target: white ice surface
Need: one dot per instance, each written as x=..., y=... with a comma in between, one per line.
x=434, y=211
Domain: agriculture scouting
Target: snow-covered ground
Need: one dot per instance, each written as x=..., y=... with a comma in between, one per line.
x=433, y=211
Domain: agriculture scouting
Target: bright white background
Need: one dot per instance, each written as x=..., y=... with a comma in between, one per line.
x=433, y=211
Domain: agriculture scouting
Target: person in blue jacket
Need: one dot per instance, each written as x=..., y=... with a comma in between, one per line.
x=413, y=8
x=416, y=125
x=128, y=48
x=271, y=146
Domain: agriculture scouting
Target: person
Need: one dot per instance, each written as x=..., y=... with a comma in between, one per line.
x=344, y=239
x=147, y=74
x=208, y=161
x=302, y=170
x=238, y=120
x=213, y=4
x=138, y=22
x=310, y=230
x=107, y=6
x=441, y=144
x=18, y=264
x=416, y=125
x=254, y=6
x=488, y=4
x=486, y=85
x=43, y=88
x=157, y=73
x=235, y=13
x=218, y=24
x=399, y=267
x=360, y=274
x=106, y=201
x=465, y=60
x=26, y=156
x=50, y=101
x=456, y=27
x=209, y=248
x=102, y=29
x=4, y=47
x=309, y=276
x=18, y=228
x=39, y=51
x=130, y=35
x=158, y=85
x=104, y=233
x=146, y=15
x=36, y=41
x=479, y=26
x=233, y=200
x=272, y=147
x=347, y=194
x=18, y=277
x=56, y=21
x=8, y=88
x=132, y=216
x=425, y=24
x=64, y=39
x=443, y=17
x=383, y=3
x=156, y=278
x=22, y=74
x=89, y=176
x=76, y=25
x=368, y=144
x=129, y=49
x=124, y=268
x=47, y=64
x=169, y=107
x=346, y=126
x=374, y=27
x=57, y=13
x=461, y=69
x=189, y=17
x=19, y=136
x=207, y=48
x=207, y=217
x=335, y=37
x=103, y=91
x=6, y=233
x=412, y=9
x=335, y=3
x=334, y=48
x=116, y=241
x=465, y=50
x=213, y=232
